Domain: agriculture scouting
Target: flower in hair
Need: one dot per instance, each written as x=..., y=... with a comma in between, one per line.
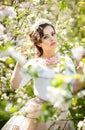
x=39, y=22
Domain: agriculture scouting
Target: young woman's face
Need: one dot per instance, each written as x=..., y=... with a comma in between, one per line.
x=49, y=40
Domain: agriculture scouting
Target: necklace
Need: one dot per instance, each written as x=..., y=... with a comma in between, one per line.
x=49, y=61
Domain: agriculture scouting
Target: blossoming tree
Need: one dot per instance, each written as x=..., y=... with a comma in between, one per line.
x=16, y=17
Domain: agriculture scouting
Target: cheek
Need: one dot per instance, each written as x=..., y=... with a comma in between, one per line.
x=46, y=46
x=45, y=43
x=55, y=38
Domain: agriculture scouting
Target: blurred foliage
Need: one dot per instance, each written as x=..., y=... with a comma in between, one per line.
x=16, y=18
x=77, y=109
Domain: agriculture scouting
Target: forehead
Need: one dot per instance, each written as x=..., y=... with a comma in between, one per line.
x=48, y=29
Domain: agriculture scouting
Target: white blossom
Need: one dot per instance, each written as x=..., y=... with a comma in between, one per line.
x=8, y=107
x=19, y=100
x=5, y=37
x=78, y=52
x=17, y=55
x=10, y=12
x=2, y=15
x=2, y=29
x=25, y=5
x=56, y=96
x=5, y=96
x=39, y=22
x=81, y=93
x=7, y=12
x=81, y=125
x=64, y=32
x=71, y=20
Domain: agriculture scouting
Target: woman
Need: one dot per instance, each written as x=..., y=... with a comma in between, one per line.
x=44, y=38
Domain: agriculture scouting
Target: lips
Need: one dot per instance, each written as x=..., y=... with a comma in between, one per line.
x=53, y=43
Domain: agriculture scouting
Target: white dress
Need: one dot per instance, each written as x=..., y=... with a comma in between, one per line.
x=41, y=82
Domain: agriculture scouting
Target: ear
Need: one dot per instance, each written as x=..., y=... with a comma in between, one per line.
x=40, y=44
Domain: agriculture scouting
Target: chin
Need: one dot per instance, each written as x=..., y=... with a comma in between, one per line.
x=54, y=46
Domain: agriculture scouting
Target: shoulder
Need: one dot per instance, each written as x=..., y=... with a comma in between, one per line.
x=68, y=62
x=67, y=59
x=31, y=62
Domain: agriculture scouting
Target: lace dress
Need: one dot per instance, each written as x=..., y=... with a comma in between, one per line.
x=33, y=106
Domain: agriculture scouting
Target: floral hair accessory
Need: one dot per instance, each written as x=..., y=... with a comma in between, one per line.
x=39, y=22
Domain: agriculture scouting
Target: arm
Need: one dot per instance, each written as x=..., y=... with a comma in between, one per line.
x=78, y=85
x=16, y=77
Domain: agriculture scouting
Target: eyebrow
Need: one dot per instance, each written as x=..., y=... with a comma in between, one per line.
x=48, y=34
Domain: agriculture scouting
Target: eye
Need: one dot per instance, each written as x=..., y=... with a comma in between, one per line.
x=53, y=33
x=45, y=37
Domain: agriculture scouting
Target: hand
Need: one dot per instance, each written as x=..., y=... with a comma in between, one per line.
x=79, y=64
x=83, y=56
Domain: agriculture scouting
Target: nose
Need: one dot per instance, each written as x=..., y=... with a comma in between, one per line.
x=51, y=38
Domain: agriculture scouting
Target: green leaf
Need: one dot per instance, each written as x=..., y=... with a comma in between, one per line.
x=13, y=109
x=9, y=61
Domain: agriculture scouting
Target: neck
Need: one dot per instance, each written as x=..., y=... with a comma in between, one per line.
x=48, y=55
